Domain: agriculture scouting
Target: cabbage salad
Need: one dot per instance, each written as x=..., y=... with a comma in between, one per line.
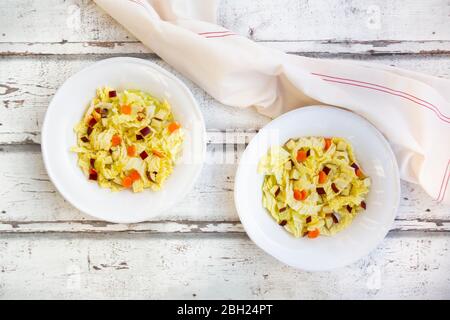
x=313, y=185
x=128, y=139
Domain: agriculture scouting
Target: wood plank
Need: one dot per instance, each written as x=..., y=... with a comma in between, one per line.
x=289, y=20
x=323, y=47
x=211, y=267
x=155, y=227
x=30, y=203
x=27, y=85
x=382, y=26
x=173, y=227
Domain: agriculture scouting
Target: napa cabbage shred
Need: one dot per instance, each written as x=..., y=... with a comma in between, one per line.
x=313, y=185
x=128, y=139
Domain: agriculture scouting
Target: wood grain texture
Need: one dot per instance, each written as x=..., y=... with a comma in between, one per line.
x=211, y=267
x=381, y=26
x=182, y=226
x=324, y=47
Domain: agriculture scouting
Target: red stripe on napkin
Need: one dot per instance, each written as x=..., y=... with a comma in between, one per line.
x=368, y=85
x=221, y=36
x=391, y=91
x=217, y=34
x=438, y=114
x=213, y=32
x=445, y=180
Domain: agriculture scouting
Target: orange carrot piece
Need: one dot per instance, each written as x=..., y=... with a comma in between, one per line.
x=313, y=234
x=131, y=151
x=322, y=177
x=116, y=140
x=299, y=195
x=301, y=155
x=359, y=173
x=304, y=194
x=173, y=126
x=157, y=153
x=327, y=143
x=125, y=109
x=134, y=175
x=127, y=182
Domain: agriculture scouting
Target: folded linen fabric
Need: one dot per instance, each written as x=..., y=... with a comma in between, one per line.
x=411, y=109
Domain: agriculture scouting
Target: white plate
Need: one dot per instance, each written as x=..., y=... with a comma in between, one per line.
x=367, y=230
x=67, y=109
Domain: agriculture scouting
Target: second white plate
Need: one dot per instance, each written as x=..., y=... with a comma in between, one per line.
x=367, y=230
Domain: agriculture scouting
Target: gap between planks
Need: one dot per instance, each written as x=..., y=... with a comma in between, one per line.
x=90, y=226
x=331, y=46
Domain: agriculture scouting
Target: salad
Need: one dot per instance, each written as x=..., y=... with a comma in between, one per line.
x=128, y=139
x=313, y=185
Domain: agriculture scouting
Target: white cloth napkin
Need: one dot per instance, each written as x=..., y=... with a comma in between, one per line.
x=411, y=109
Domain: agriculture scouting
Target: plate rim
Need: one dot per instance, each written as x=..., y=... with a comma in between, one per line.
x=261, y=243
x=158, y=69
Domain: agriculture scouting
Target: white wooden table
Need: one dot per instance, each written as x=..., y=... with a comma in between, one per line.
x=48, y=249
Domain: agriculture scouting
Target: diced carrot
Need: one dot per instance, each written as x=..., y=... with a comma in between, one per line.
x=127, y=182
x=134, y=175
x=116, y=140
x=313, y=234
x=173, y=126
x=359, y=173
x=322, y=177
x=327, y=143
x=125, y=109
x=131, y=151
x=304, y=194
x=300, y=195
x=301, y=155
x=157, y=153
